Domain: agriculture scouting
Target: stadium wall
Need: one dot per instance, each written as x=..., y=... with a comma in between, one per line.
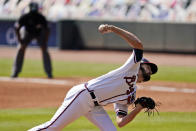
x=83, y=34
x=8, y=37
x=156, y=36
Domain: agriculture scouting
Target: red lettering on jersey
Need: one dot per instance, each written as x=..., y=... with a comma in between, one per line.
x=130, y=99
x=129, y=81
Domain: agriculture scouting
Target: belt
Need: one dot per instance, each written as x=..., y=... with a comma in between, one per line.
x=92, y=95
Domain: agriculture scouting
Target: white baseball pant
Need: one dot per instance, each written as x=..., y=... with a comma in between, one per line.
x=77, y=102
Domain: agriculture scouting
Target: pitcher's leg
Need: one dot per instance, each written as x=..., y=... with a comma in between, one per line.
x=69, y=111
x=100, y=118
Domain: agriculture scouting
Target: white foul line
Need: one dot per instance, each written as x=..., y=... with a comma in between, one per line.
x=37, y=80
x=168, y=89
x=66, y=82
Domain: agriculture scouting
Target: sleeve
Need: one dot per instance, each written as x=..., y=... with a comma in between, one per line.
x=138, y=55
x=134, y=59
x=132, y=62
x=120, y=109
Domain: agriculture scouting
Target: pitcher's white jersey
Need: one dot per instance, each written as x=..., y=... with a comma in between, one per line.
x=117, y=86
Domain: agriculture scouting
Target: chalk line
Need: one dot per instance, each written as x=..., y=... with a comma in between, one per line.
x=37, y=80
x=69, y=82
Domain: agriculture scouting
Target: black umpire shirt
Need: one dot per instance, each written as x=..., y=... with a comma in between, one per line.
x=34, y=22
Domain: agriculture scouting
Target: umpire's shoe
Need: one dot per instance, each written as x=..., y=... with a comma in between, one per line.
x=50, y=76
x=14, y=75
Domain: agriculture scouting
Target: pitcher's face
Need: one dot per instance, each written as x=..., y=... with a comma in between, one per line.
x=144, y=73
x=146, y=68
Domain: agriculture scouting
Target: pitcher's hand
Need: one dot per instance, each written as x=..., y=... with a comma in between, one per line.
x=105, y=28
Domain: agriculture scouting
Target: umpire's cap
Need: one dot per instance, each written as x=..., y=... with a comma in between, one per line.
x=33, y=6
x=153, y=66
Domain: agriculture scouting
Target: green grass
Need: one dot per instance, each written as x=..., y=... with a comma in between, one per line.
x=176, y=73
x=34, y=68
x=23, y=119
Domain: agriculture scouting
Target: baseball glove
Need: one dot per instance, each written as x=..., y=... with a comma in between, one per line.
x=148, y=103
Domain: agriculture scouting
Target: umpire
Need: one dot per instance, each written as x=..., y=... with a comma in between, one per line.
x=32, y=25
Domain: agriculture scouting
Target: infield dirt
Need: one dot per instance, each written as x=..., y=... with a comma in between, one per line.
x=27, y=95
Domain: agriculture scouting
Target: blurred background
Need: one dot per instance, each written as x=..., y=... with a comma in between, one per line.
x=167, y=29
x=140, y=10
x=158, y=23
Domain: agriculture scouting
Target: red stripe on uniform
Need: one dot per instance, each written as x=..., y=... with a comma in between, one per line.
x=112, y=97
x=62, y=112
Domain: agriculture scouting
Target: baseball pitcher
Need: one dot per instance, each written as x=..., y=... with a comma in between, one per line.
x=117, y=87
